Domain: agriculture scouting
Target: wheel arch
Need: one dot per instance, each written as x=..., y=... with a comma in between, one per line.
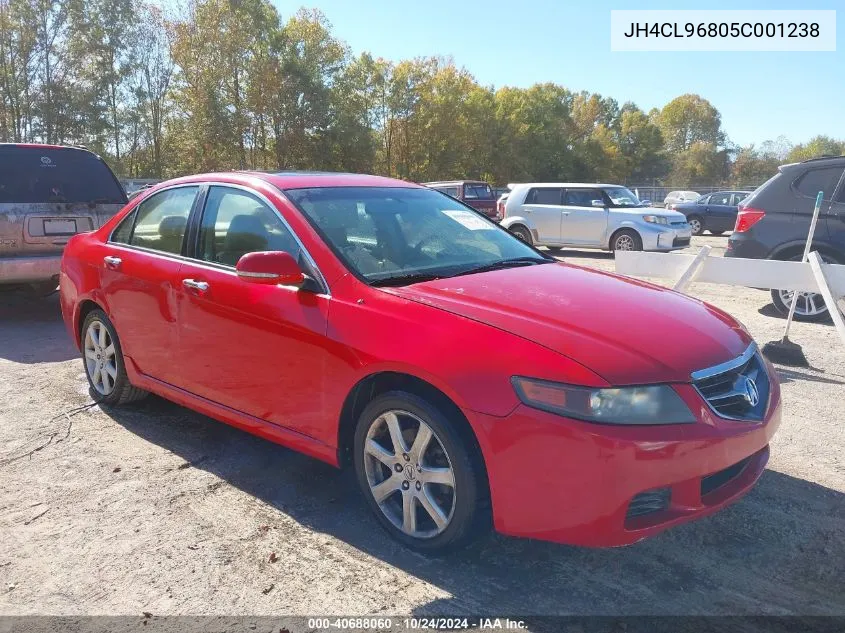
x=625, y=226
x=796, y=247
x=373, y=385
x=84, y=308
x=512, y=221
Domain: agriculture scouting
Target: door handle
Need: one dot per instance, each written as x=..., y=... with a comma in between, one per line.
x=564, y=212
x=200, y=287
x=112, y=262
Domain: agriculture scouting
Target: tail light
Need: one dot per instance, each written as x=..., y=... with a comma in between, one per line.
x=500, y=210
x=746, y=218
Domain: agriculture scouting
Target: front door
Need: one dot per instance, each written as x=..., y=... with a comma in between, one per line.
x=258, y=349
x=140, y=277
x=720, y=212
x=584, y=223
x=543, y=207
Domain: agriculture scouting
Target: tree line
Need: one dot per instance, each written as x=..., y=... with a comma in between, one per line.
x=229, y=84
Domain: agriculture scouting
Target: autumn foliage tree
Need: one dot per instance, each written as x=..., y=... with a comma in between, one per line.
x=232, y=84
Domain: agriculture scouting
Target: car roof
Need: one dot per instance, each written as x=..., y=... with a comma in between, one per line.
x=590, y=185
x=453, y=182
x=294, y=179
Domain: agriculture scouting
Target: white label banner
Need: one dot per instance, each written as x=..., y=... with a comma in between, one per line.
x=723, y=30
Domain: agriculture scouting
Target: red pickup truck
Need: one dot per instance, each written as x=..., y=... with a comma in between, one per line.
x=475, y=193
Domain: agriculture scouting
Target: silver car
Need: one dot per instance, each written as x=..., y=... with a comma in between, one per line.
x=47, y=194
x=586, y=215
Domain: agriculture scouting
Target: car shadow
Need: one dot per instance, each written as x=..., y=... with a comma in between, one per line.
x=777, y=551
x=791, y=375
x=32, y=330
x=770, y=310
x=580, y=254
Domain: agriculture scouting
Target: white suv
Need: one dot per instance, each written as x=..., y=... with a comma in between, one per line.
x=585, y=215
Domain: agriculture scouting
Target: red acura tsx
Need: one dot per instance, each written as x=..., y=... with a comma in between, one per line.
x=465, y=377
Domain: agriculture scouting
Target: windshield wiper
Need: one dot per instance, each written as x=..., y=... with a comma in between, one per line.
x=405, y=280
x=504, y=263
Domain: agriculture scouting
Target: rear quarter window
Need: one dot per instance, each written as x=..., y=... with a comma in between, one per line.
x=816, y=180
x=43, y=175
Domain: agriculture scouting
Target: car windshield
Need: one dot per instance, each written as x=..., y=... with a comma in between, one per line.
x=49, y=174
x=393, y=236
x=478, y=191
x=622, y=197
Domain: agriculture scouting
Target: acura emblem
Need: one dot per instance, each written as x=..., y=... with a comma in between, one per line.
x=752, y=395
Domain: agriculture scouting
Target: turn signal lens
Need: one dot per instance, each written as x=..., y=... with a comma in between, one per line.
x=746, y=218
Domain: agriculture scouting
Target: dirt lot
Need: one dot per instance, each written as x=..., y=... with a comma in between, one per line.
x=155, y=508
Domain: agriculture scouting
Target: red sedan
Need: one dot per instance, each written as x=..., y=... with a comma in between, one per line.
x=465, y=376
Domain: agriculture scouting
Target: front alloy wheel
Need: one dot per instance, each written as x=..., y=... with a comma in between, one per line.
x=409, y=474
x=418, y=474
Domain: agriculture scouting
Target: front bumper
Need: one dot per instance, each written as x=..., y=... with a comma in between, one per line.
x=662, y=238
x=562, y=480
x=21, y=270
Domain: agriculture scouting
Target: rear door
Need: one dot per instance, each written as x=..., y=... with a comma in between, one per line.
x=807, y=186
x=140, y=277
x=543, y=206
x=720, y=211
x=836, y=221
x=48, y=194
x=582, y=223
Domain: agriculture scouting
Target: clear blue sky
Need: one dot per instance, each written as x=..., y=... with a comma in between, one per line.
x=521, y=42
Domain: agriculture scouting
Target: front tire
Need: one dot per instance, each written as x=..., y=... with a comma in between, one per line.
x=102, y=357
x=626, y=240
x=522, y=233
x=418, y=475
x=696, y=224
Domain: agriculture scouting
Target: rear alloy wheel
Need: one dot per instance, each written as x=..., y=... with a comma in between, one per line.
x=103, y=358
x=522, y=233
x=626, y=240
x=695, y=224
x=810, y=305
x=417, y=474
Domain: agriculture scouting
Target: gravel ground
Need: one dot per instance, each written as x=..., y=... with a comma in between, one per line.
x=154, y=508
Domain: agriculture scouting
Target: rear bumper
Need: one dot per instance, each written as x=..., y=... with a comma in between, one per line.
x=745, y=246
x=561, y=480
x=19, y=270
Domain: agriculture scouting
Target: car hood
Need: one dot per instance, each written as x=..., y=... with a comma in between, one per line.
x=625, y=330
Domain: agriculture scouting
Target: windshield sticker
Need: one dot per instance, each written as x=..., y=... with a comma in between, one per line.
x=469, y=220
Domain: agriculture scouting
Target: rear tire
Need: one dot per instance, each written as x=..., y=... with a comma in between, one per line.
x=432, y=496
x=626, y=240
x=696, y=224
x=522, y=233
x=102, y=358
x=811, y=306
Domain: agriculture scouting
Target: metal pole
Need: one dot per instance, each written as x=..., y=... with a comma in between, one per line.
x=816, y=209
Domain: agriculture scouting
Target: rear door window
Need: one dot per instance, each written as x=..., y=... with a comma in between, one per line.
x=544, y=195
x=720, y=198
x=46, y=175
x=816, y=180
x=162, y=220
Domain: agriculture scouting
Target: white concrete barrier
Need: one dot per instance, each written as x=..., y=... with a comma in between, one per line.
x=810, y=276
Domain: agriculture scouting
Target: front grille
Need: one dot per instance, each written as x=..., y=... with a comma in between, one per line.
x=738, y=389
x=719, y=479
x=680, y=241
x=649, y=502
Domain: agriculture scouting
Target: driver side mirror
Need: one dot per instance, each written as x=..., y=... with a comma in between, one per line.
x=271, y=268
x=598, y=203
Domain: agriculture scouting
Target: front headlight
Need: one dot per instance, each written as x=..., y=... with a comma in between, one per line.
x=656, y=219
x=652, y=404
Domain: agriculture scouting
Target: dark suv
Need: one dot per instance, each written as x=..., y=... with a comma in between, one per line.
x=49, y=193
x=773, y=223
